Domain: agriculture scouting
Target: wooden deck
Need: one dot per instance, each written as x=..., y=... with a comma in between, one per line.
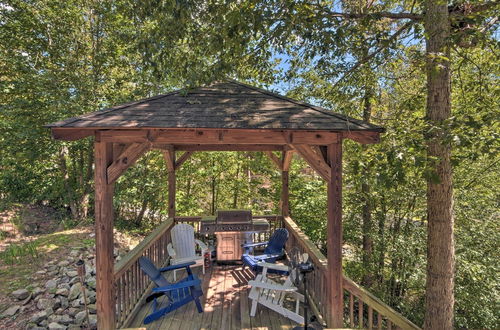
x=225, y=303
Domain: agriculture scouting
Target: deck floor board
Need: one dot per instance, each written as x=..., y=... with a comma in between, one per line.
x=225, y=304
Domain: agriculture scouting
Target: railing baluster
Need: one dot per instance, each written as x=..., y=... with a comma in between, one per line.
x=351, y=310
x=379, y=321
x=360, y=313
x=370, y=317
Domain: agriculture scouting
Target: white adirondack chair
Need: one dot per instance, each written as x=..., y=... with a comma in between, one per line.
x=182, y=248
x=271, y=294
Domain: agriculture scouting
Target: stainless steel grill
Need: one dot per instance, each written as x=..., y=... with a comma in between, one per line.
x=232, y=229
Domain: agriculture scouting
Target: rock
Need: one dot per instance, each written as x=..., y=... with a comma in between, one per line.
x=91, y=296
x=62, y=292
x=51, y=284
x=27, y=300
x=91, y=283
x=11, y=311
x=63, y=263
x=57, y=303
x=74, y=253
x=40, y=272
x=34, y=327
x=72, y=273
x=38, y=317
x=73, y=311
x=92, y=308
x=75, y=303
x=64, y=302
x=75, y=291
x=20, y=294
x=93, y=321
x=45, y=303
x=64, y=285
x=56, y=326
x=37, y=291
x=80, y=317
x=49, y=311
x=62, y=319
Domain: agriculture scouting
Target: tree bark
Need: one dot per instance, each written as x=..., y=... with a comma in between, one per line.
x=367, y=280
x=440, y=240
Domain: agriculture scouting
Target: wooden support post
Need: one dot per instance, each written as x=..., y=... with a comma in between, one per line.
x=104, y=236
x=285, y=199
x=334, y=234
x=285, y=202
x=169, y=155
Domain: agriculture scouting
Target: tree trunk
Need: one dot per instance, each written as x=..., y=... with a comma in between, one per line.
x=440, y=241
x=67, y=184
x=367, y=280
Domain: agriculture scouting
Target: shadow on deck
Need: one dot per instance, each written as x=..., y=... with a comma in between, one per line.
x=225, y=304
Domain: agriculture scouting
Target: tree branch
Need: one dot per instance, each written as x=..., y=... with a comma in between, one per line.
x=378, y=15
x=457, y=11
x=374, y=53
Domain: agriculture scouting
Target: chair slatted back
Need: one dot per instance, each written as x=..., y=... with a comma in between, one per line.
x=277, y=241
x=183, y=240
x=154, y=274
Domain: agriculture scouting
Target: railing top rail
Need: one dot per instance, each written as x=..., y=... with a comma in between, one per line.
x=122, y=265
x=198, y=218
x=314, y=253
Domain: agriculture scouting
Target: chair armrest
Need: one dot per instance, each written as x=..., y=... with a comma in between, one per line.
x=171, y=251
x=264, y=257
x=273, y=266
x=272, y=286
x=177, y=286
x=253, y=244
x=172, y=267
x=202, y=245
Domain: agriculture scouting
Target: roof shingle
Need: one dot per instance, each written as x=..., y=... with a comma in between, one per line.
x=225, y=105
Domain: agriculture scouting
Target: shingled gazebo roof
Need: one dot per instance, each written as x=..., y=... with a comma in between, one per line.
x=224, y=105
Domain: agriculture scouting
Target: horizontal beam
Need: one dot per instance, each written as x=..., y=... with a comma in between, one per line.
x=363, y=137
x=222, y=136
x=215, y=136
x=225, y=147
x=70, y=134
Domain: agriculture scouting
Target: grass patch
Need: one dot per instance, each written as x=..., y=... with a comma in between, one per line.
x=16, y=253
x=27, y=258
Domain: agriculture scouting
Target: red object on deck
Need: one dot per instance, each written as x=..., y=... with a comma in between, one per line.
x=206, y=256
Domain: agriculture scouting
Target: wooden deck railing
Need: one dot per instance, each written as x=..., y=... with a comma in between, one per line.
x=378, y=314
x=361, y=308
x=131, y=284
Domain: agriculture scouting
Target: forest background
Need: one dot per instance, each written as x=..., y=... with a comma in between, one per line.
x=60, y=59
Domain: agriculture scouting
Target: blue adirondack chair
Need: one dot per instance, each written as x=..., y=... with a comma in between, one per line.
x=273, y=251
x=178, y=294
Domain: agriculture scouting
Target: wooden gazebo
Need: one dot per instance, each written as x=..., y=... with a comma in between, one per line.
x=226, y=116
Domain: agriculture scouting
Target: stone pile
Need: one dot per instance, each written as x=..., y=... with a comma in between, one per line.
x=59, y=302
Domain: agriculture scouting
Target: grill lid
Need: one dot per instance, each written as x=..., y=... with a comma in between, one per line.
x=234, y=216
